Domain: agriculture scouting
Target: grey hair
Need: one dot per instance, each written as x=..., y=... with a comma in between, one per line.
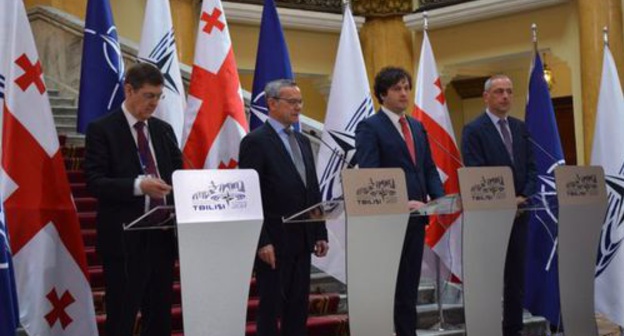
x=272, y=88
x=488, y=83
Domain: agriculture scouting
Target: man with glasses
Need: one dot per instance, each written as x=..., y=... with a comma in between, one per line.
x=129, y=159
x=284, y=161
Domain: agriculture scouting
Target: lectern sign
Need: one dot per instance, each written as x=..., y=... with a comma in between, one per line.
x=217, y=195
x=374, y=191
x=487, y=188
x=580, y=185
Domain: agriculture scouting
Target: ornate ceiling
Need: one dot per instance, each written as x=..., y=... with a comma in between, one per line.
x=361, y=7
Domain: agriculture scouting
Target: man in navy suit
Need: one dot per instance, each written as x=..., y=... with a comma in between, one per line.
x=285, y=164
x=392, y=139
x=496, y=139
x=129, y=159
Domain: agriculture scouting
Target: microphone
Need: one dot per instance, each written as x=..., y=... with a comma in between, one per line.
x=174, y=142
x=542, y=149
x=440, y=146
x=340, y=155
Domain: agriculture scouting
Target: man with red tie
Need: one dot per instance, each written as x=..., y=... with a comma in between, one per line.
x=129, y=159
x=392, y=139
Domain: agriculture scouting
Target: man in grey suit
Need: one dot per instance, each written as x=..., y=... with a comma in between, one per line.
x=284, y=161
x=129, y=159
x=496, y=139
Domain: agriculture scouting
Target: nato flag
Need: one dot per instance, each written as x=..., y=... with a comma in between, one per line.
x=542, y=281
x=272, y=62
x=101, y=76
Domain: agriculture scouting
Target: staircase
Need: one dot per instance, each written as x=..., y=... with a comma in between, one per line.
x=328, y=307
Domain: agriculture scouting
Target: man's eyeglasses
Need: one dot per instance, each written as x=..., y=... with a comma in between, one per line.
x=291, y=101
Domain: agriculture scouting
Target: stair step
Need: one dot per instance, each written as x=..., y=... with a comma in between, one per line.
x=76, y=176
x=61, y=101
x=86, y=205
x=62, y=119
x=79, y=190
x=65, y=110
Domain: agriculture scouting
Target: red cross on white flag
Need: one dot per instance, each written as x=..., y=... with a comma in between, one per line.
x=214, y=120
x=41, y=218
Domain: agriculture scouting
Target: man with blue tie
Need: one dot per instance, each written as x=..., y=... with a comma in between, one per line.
x=496, y=139
x=392, y=139
x=285, y=164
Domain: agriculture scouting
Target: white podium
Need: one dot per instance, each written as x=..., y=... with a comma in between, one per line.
x=489, y=204
x=582, y=197
x=376, y=221
x=219, y=214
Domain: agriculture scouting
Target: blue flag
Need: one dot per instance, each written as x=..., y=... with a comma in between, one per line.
x=272, y=62
x=542, y=280
x=101, y=76
x=9, y=313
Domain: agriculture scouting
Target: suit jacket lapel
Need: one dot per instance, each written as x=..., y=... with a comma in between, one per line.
x=126, y=138
x=491, y=131
x=419, y=143
x=277, y=142
x=394, y=133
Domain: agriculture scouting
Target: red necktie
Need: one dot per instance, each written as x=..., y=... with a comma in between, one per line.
x=409, y=140
x=147, y=159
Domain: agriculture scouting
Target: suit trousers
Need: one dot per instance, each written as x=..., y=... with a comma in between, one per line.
x=513, y=289
x=284, y=294
x=141, y=281
x=406, y=294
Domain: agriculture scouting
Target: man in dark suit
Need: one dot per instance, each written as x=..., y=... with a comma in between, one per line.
x=496, y=139
x=129, y=159
x=391, y=139
x=284, y=161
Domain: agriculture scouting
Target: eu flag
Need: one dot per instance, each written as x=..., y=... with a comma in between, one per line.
x=272, y=62
x=101, y=76
x=542, y=280
x=9, y=313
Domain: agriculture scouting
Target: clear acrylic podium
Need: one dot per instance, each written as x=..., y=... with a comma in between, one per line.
x=160, y=217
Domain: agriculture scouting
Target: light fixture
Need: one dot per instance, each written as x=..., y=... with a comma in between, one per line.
x=548, y=74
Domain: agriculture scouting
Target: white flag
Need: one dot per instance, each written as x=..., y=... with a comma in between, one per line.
x=349, y=103
x=608, y=152
x=158, y=47
x=214, y=120
x=443, y=233
x=48, y=253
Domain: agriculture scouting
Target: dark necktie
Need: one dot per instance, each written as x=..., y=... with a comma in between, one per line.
x=147, y=159
x=409, y=140
x=296, y=154
x=506, y=137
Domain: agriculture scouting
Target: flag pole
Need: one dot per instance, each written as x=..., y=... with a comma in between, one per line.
x=442, y=325
x=534, y=33
x=605, y=36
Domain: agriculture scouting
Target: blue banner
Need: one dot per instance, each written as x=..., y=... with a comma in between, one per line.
x=101, y=76
x=9, y=313
x=272, y=62
x=542, y=280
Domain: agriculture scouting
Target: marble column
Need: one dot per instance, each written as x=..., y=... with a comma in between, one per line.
x=384, y=37
x=593, y=16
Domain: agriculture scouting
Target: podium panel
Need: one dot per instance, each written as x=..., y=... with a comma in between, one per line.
x=219, y=216
x=489, y=203
x=582, y=196
x=376, y=220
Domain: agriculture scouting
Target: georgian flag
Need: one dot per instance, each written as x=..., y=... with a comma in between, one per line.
x=349, y=103
x=608, y=152
x=158, y=47
x=443, y=234
x=50, y=264
x=214, y=120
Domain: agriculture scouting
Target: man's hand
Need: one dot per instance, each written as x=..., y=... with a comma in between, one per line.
x=520, y=200
x=154, y=187
x=415, y=205
x=267, y=254
x=320, y=248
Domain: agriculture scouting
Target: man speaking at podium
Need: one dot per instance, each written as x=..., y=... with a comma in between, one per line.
x=391, y=139
x=496, y=139
x=129, y=159
x=285, y=164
